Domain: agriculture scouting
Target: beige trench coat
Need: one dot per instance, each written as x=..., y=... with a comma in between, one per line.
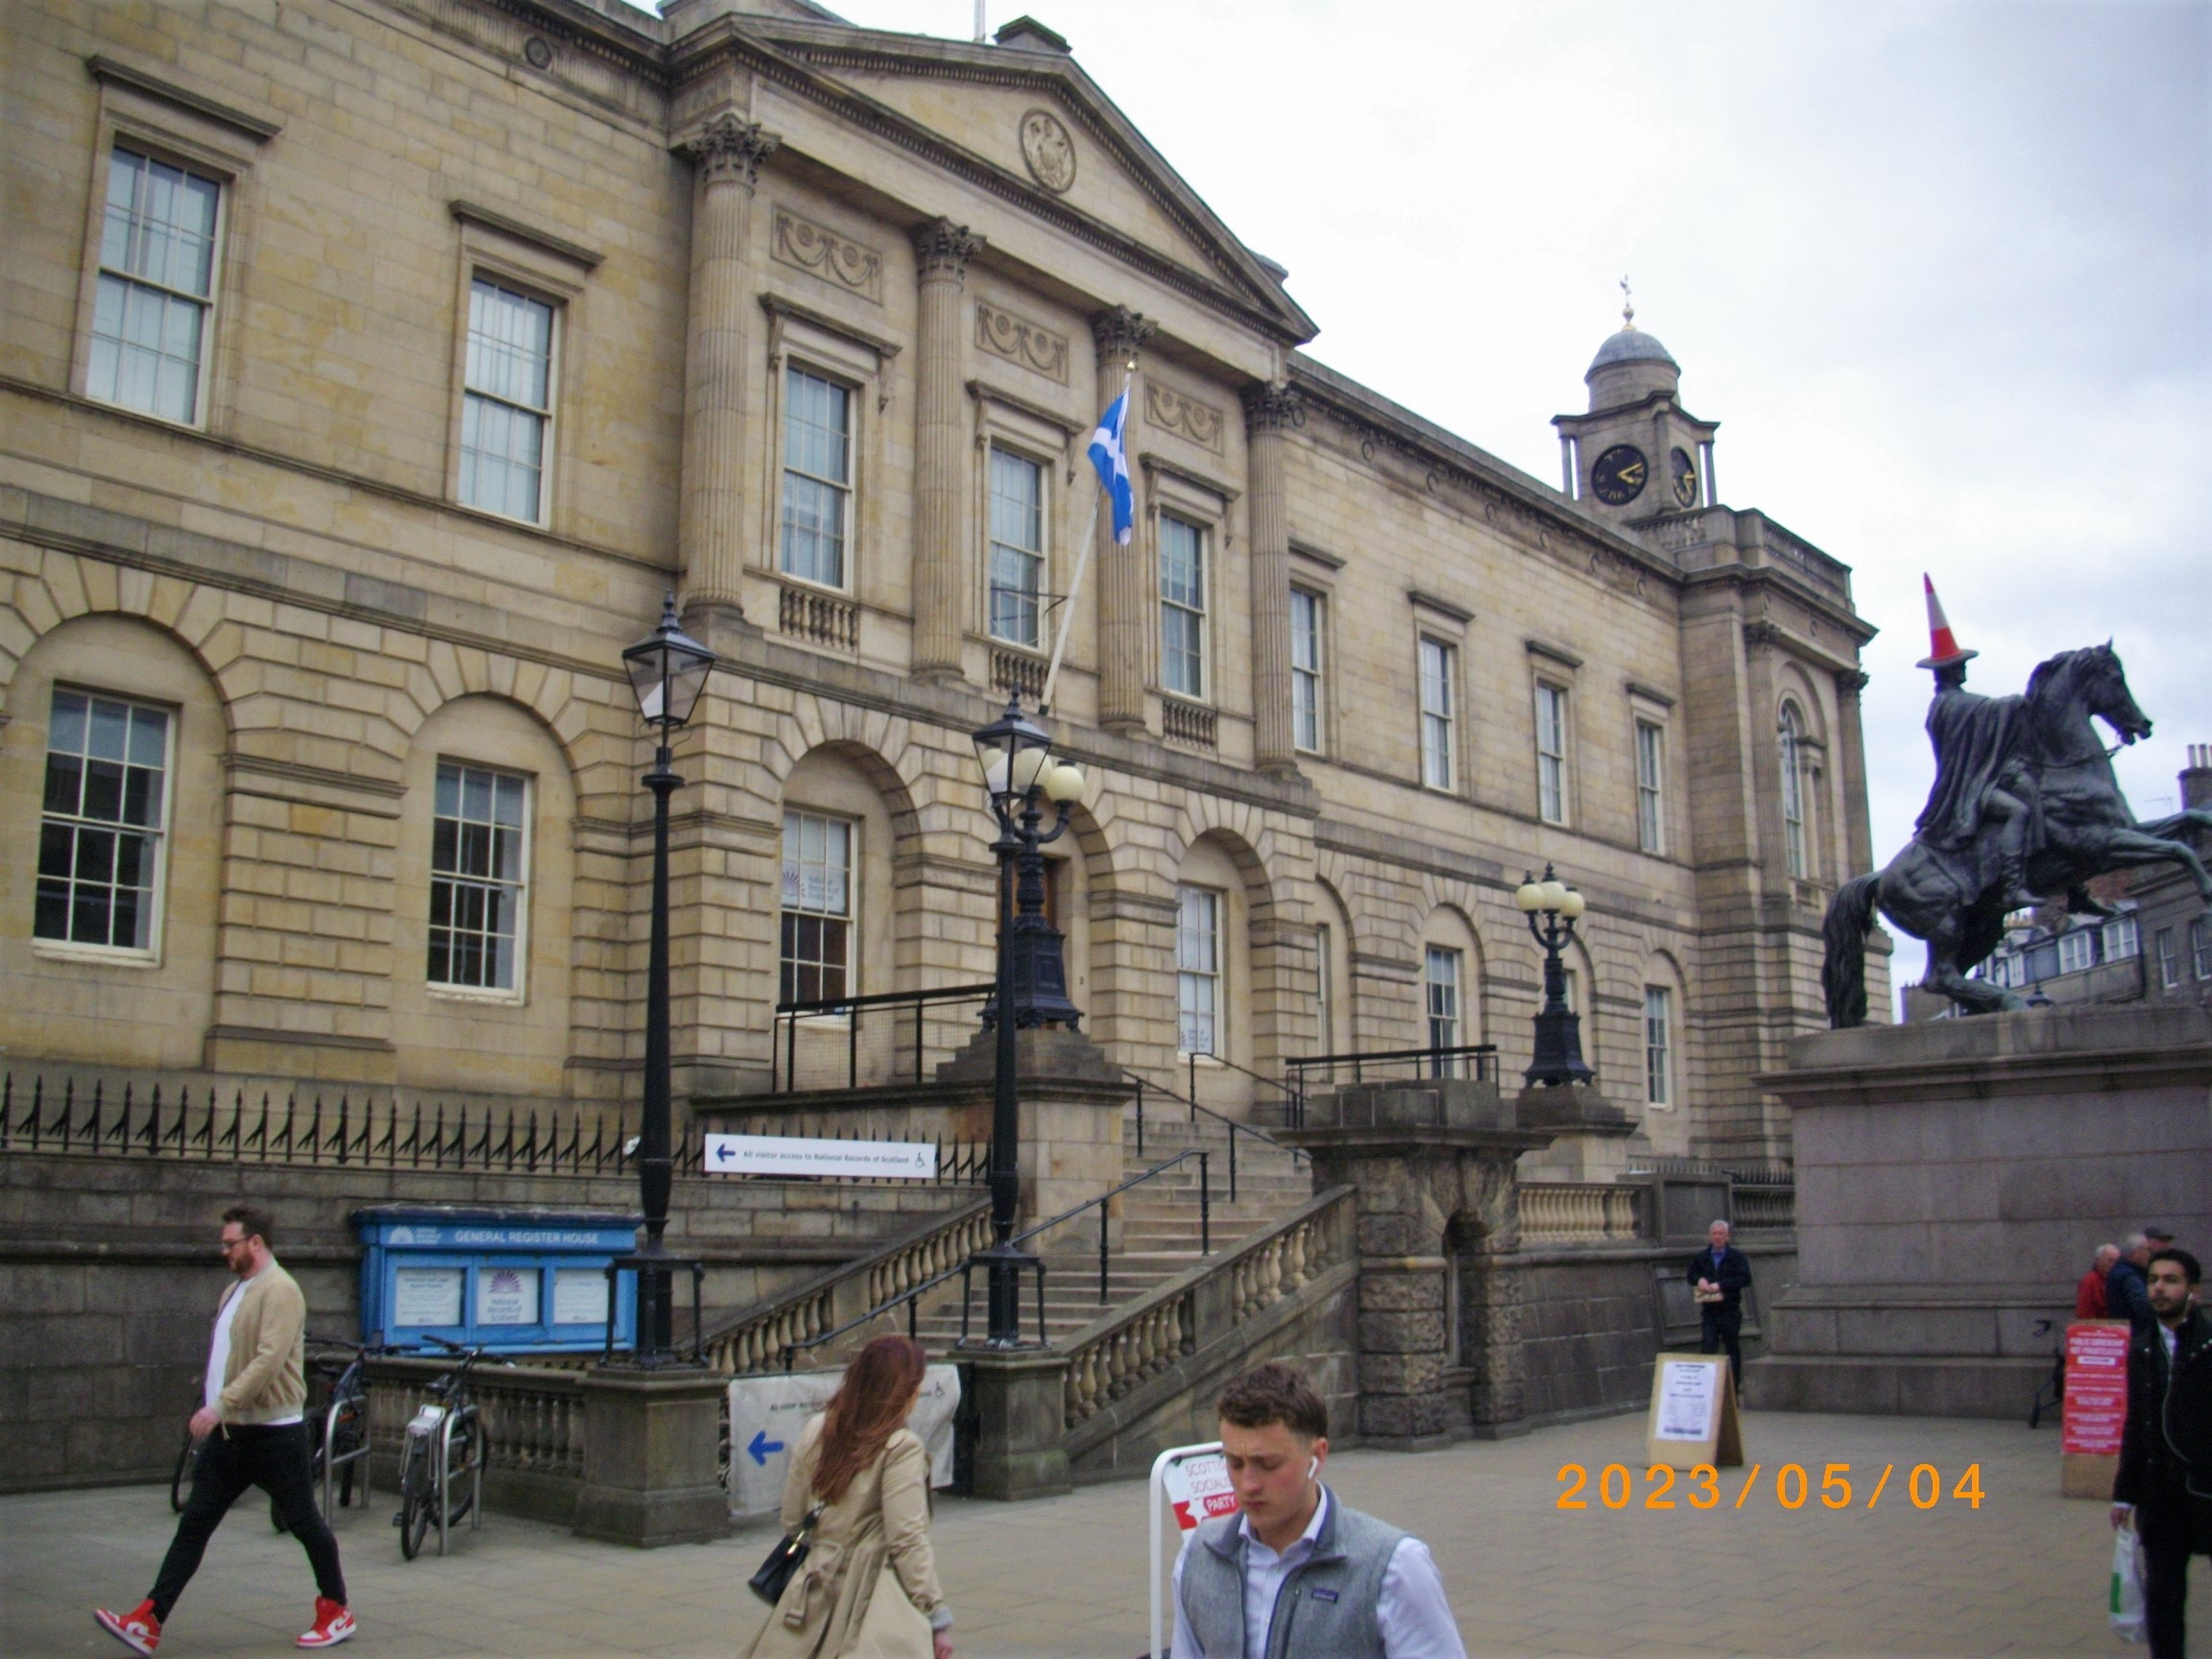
x=868, y=1587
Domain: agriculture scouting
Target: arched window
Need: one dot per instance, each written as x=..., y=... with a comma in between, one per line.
x=1794, y=844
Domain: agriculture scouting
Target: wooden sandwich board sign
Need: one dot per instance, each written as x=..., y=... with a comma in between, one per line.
x=1694, y=1418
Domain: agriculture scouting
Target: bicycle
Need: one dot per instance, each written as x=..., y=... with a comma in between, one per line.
x=445, y=1444
x=339, y=1425
x=2051, y=1394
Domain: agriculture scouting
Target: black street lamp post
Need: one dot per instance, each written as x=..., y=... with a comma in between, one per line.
x=1558, y=1028
x=1019, y=773
x=667, y=672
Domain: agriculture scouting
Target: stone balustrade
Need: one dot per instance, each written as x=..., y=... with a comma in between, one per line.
x=1580, y=1212
x=533, y=1417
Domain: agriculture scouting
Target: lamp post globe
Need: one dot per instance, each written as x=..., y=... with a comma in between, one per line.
x=1558, y=1057
x=1021, y=775
x=667, y=672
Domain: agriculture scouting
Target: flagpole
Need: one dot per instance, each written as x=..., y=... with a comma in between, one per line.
x=1083, y=556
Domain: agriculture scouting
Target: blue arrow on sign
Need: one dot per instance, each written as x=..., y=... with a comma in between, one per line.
x=761, y=1445
x=725, y=1153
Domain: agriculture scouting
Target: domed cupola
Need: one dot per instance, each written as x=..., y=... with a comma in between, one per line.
x=1637, y=453
x=1629, y=367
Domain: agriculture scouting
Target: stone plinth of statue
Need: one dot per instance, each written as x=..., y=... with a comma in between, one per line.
x=1953, y=1179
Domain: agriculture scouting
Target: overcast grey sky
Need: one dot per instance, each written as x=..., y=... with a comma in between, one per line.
x=1940, y=269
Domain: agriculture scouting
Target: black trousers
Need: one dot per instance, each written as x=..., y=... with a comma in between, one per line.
x=2165, y=1528
x=1720, y=1327
x=275, y=1459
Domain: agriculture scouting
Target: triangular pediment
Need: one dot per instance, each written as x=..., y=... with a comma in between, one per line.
x=1034, y=121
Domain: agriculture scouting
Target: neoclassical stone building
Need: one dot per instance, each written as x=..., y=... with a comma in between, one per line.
x=373, y=367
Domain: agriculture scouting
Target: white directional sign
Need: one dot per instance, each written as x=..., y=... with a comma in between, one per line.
x=766, y=1414
x=799, y=1155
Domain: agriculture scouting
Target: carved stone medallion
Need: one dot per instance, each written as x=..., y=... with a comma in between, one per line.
x=1049, y=150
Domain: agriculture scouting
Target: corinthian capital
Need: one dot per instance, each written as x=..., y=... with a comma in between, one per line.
x=1119, y=333
x=943, y=248
x=1273, y=409
x=727, y=150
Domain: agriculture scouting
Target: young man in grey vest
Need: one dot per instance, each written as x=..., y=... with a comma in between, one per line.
x=1296, y=1574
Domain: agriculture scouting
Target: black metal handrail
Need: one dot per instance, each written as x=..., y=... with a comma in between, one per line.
x=1234, y=1127
x=1437, y=1056
x=1223, y=1060
x=784, y=1044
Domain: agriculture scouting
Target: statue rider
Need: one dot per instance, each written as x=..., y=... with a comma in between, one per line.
x=1979, y=779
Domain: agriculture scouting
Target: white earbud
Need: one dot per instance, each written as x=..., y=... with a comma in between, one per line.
x=1312, y=1467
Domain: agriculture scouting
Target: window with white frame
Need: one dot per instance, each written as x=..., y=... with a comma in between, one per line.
x=101, y=835
x=815, y=955
x=2121, y=939
x=478, y=857
x=1650, y=800
x=2077, y=950
x=1325, y=984
x=1017, y=548
x=1658, y=1044
x=153, y=301
x=1551, y=753
x=1440, y=991
x=1198, y=968
x=817, y=477
x=507, y=402
x=2201, y=949
x=2169, y=963
x=1792, y=739
x=1438, y=671
x=1305, y=712
x=1182, y=606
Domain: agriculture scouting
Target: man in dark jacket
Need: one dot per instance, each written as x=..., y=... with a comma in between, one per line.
x=2165, y=1478
x=2126, y=1296
x=1718, y=1276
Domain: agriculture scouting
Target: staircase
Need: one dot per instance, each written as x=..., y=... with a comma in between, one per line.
x=1159, y=1232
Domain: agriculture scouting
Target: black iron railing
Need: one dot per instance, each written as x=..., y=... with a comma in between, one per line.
x=1230, y=1125
x=844, y=1042
x=1475, y=1062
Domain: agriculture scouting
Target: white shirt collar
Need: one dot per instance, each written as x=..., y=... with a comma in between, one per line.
x=1312, y=1532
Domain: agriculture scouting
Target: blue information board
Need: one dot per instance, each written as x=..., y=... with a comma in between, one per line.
x=506, y=1278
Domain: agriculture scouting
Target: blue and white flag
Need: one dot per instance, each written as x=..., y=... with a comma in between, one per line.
x=1112, y=464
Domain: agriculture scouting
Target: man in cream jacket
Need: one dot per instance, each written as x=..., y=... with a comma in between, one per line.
x=250, y=1431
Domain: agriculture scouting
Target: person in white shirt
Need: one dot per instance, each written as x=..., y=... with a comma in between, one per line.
x=1296, y=1573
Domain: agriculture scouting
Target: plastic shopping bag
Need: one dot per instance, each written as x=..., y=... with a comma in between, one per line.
x=2128, y=1585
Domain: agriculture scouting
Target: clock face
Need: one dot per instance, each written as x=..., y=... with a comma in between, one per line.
x=1620, y=475
x=1685, y=473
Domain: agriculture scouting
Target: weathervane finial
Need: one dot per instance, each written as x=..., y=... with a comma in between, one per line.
x=1627, y=307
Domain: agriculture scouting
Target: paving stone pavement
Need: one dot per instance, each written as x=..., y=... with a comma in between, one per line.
x=2025, y=1574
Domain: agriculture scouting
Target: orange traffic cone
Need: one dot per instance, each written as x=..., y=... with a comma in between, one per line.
x=1942, y=644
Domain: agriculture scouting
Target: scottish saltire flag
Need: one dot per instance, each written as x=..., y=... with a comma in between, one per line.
x=1112, y=464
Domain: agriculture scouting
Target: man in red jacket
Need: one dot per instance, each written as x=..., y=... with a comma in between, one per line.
x=2089, y=1293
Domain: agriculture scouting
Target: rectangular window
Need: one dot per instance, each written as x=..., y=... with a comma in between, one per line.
x=817, y=947
x=1182, y=606
x=1650, y=833
x=1017, y=548
x=1198, y=968
x=2077, y=950
x=2121, y=939
x=100, y=841
x=1793, y=841
x=1440, y=981
x=817, y=477
x=1438, y=666
x=2201, y=949
x=156, y=294
x=477, y=872
x=1325, y=986
x=2169, y=964
x=1658, y=1046
x=1306, y=670
x=1551, y=753
x=507, y=408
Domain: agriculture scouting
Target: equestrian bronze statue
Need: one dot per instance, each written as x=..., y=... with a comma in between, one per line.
x=2025, y=807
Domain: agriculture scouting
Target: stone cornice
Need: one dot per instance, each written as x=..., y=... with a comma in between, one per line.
x=491, y=219
x=260, y=129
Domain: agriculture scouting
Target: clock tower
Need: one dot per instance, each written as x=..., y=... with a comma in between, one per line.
x=1638, y=454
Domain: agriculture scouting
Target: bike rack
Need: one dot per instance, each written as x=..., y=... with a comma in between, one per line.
x=446, y=1470
x=332, y=1458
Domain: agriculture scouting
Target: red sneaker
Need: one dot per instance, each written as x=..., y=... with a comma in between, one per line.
x=333, y=1623
x=137, y=1629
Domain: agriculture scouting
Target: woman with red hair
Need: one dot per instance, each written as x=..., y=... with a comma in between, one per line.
x=868, y=1588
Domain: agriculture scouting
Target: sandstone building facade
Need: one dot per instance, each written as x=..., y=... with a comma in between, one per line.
x=371, y=368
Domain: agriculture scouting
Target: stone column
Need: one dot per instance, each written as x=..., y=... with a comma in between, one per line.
x=1267, y=411
x=1120, y=333
x=727, y=154
x=1851, y=757
x=942, y=556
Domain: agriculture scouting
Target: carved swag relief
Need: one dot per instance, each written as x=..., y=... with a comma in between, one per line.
x=1018, y=340
x=1170, y=411
x=852, y=266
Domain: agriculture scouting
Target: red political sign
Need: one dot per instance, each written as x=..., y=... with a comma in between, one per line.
x=2096, y=1387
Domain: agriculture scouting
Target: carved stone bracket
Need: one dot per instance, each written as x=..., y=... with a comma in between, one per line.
x=1271, y=408
x=1120, y=333
x=943, y=248
x=729, y=151
x=1018, y=340
x=849, y=264
x=1850, y=681
x=1167, y=410
x=1760, y=636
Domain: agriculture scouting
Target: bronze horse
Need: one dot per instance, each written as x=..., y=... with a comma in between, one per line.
x=2085, y=829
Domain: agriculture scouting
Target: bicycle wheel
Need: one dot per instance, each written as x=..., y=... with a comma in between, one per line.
x=181, y=1477
x=415, y=1498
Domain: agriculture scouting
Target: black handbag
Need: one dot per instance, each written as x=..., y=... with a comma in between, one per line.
x=783, y=1560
